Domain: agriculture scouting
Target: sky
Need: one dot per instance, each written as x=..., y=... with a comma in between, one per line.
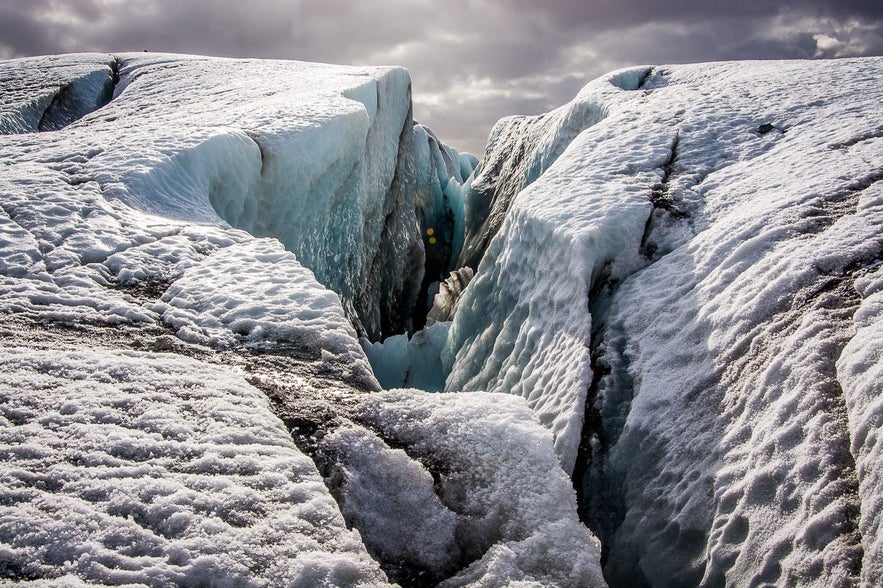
x=471, y=61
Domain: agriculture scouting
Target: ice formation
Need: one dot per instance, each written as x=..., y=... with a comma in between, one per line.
x=185, y=244
x=700, y=261
x=668, y=293
x=443, y=177
x=136, y=468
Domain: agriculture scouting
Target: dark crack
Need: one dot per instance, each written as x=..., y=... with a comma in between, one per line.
x=77, y=99
x=645, y=76
x=664, y=205
x=869, y=136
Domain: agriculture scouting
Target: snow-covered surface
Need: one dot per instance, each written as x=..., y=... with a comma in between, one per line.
x=695, y=250
x=166, y=378
x=711, y=244
x=860, y=371
x=463, y=482
x=523, y=325
x=125, y=468
x=305, y=153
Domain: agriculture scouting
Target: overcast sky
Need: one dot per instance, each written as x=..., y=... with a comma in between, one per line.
x=471, y=61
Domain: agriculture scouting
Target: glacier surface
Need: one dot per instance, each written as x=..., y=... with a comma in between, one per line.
x=189, y=250
x=666, y=294
x=680, y=271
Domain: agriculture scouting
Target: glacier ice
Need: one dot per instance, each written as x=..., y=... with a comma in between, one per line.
x=466, y=489
x=329, y=182
x=49, y=93
x=523, y=324
x=401, y=361
x=443, y=177
x=124, y=468
x=677, y=283
x=519, y=150
x=447, y=299
x=700, y=263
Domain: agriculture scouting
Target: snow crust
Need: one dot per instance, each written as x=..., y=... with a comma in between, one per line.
x=701, y=260
x=523, y=326
x=127, y=468
x=49, y=93
x=311, y=159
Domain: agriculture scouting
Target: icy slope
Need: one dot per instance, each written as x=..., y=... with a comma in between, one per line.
x=523, y=326
x=173, y=384
x=701, y=264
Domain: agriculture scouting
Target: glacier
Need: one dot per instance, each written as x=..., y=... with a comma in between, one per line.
x=679, y=270
x=190, y=250
x=260, y=327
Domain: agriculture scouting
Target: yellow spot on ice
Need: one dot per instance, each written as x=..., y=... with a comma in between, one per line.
x=430, y=231
x=432, y=240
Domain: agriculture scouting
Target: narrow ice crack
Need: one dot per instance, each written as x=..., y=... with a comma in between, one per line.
x=645, y=76
x=76, y=99
x=662, y=201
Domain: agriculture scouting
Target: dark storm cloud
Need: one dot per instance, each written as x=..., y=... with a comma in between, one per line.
x=472, y=61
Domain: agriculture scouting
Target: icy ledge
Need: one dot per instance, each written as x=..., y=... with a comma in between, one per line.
x=688, y=298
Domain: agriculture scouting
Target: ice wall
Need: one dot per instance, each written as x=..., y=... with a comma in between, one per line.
x=519, y=150
x=50, y=93
x=443, y=178
x=212, y=140
x=699, y=264
x=523, y=324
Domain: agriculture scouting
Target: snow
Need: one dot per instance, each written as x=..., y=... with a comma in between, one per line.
x=523, y=326
x=51, y=92
x=305, y=153
x=464, y=482
x=123, y=468
x=676, y=299
x=700, y=259
x=245, y=293
x=861, y=370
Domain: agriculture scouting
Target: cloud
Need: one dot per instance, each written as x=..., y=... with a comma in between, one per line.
x=472, y=61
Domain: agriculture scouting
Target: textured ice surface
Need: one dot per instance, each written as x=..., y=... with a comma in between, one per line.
x=466, y=487
x=860, y=371
x=124, y=468
x=312, y=155
x=523, y=325
x=49, y=93
x=519, y=150
x=710, y=245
